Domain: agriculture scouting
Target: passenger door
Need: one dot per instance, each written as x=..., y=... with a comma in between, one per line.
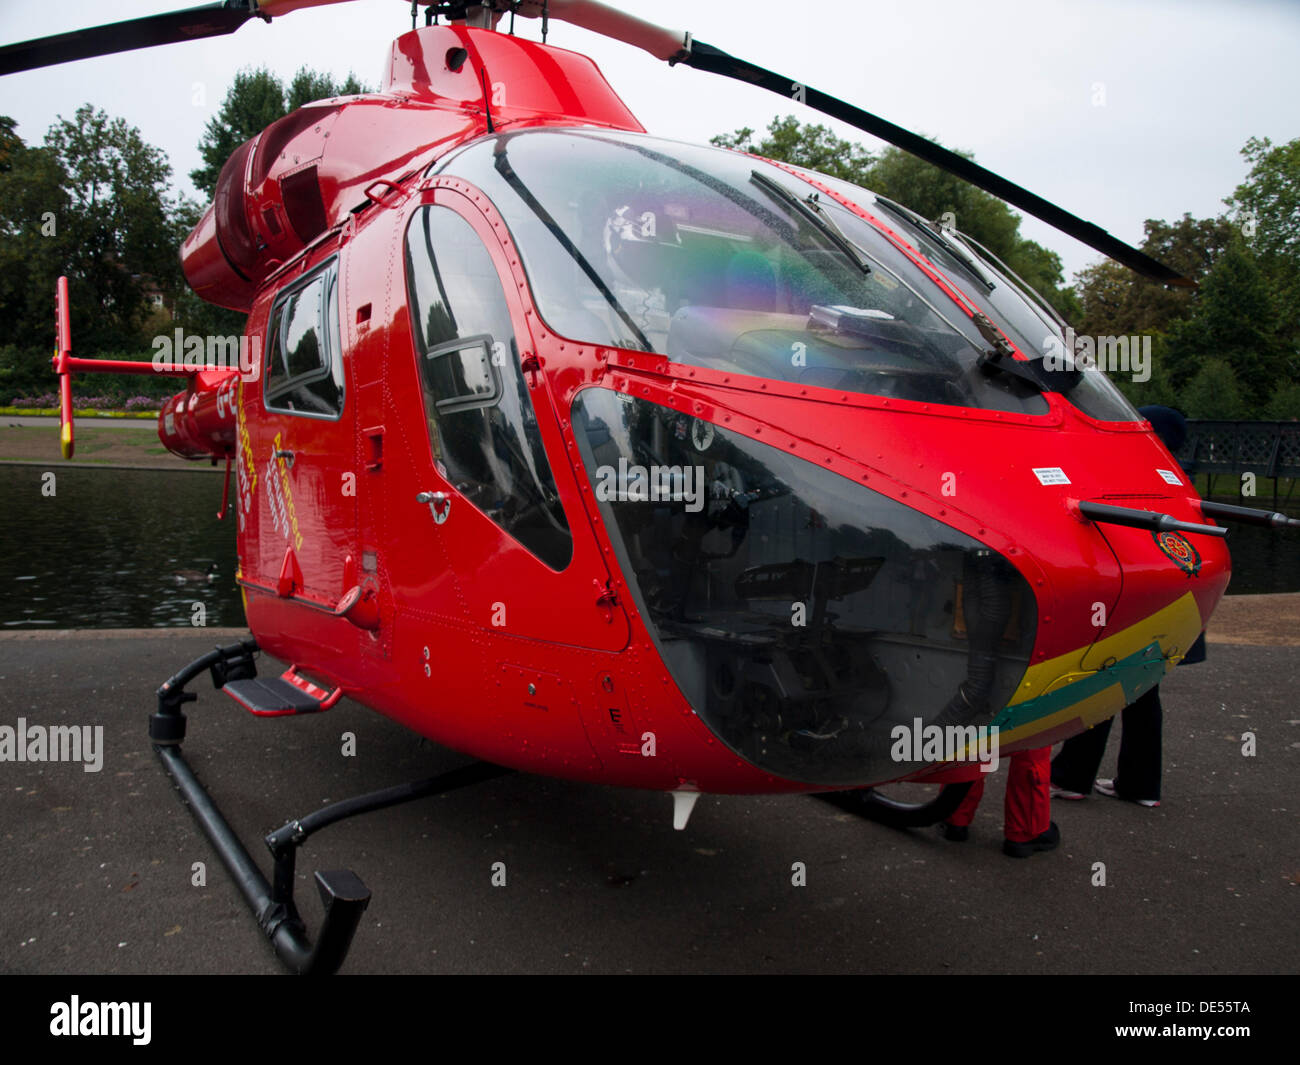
x=303, y=445
x=497, y=498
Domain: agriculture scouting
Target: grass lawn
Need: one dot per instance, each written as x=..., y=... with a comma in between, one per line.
x=98, y=445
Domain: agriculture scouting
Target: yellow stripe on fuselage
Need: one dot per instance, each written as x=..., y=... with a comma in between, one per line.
x=1175, y=627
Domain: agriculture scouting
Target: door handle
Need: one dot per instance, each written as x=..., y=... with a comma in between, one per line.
x=439, y=504
x=287, y=455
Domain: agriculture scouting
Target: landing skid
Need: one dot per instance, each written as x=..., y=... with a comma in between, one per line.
x=869, y=803
x=342, y=893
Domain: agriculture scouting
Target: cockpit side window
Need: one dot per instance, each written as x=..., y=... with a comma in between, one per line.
x=483, y=429
x=303, y=371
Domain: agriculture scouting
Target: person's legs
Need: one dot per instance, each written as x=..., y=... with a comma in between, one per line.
x=1027, y=813
x=1138, y=775
x=965, y=812
x=1075, y=766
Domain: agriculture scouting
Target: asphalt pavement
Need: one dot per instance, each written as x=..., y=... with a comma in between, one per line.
x=99, y=870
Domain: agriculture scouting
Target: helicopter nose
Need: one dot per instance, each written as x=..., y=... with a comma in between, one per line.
x=1145, y=603
x=1171, y=582
x=805, y=617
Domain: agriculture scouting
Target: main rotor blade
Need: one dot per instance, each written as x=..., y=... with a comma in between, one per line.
x=209, y=20
x=705, y=57
x=607, y=21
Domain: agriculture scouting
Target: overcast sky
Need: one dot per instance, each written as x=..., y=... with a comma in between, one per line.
x=1015, y=81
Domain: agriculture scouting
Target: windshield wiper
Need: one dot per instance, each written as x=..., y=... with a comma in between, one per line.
x=1000, y=358
x=512, y=179
x=962, y=258
x=816, y=215
x=1026, y=289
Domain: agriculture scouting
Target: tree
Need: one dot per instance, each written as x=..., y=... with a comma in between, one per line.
x=1116, y=301
x=1235, y=322
x=1213, y=393
x=309, y=85
x=255, y=99
x=92, y=203
x=194, y=315
x=35, y=239
x=253, y=102
x=1246, y=314
x=1285, y=404
x=941, y=196
x=926, y=189
x=814, y=147
x=1267, y=206
x=1159, y=388
x=10, y=142
x=120, y=210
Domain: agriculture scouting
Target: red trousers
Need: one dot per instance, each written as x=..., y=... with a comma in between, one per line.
x=1027, y=812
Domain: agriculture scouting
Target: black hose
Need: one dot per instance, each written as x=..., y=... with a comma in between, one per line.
x=986, y=608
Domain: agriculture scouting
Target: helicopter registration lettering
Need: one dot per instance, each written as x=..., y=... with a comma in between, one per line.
x=283, y=515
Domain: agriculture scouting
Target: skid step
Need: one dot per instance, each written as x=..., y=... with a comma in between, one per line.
x=281, y=696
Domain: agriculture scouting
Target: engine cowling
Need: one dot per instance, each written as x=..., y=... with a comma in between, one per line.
x=302, y=175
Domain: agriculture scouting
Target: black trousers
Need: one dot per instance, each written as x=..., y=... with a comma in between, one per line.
x=1138, y=777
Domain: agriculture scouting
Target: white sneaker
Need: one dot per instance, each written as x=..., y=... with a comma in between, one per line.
x=1062, y=793
x=1107, y=787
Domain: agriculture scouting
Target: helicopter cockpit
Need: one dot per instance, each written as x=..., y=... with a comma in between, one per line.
x=803, y=615
x=725, y=262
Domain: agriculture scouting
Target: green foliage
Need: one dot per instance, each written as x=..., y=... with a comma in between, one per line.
x=1246, y=314
x=1267, y=205
x=939, y=195
x=1285, y=404
x=93, y=204
x=1117, y=302
x=254, y=101
x=26, y=372
x=814, y=147
x=192, y=314
x=120, y=211
x=1213, y=393
x=10, y=142
x=1231, y=349
x=1234, y=321
x=931, y=192
x=309, y=85
x=1270, y=195
x=1159, y=388
x=1040, y=268
x=36, y=239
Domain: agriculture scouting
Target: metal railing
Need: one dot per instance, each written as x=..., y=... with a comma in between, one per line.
x=1266, y=449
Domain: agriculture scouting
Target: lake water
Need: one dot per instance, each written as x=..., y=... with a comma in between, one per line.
x=112, y=549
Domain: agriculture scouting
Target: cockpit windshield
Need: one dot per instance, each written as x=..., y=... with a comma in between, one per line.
x=717, y=260
x=986, y=281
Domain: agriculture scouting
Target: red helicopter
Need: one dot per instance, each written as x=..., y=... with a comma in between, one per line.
x=592, y=454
